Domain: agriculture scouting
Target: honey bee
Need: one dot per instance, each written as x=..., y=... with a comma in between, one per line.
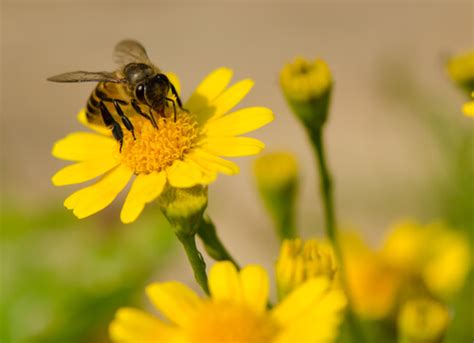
x=138, y=86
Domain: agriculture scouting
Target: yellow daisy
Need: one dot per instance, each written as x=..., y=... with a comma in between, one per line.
x=181, y=153
x=236, y=312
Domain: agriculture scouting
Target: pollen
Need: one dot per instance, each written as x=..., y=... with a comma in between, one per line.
x=154, y=149
x=222, y=322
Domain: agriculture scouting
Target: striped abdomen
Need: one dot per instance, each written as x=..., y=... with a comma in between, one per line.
x=104, y=91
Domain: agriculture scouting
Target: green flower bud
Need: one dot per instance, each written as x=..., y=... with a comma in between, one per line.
x=184, y=207
x=307, y=88
x=301, y=261
x=422, y=320
x=277, y=182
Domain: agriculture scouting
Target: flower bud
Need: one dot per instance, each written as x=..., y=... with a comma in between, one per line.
x=461, y=70
x=184, y=207
x=277, y=182
x=307, y=88
x=300, y=261
x=422, y=320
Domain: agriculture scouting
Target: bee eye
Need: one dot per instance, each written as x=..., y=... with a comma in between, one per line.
x=140, y=92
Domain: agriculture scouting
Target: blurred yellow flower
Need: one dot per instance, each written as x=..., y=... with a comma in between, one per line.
x=440, y=256
x=430, y=259
x=181, y=153
x=461, y=70
x=236, y=312
x=301, y=261
x=468, y=107
x=422, y=320
x=373, y=285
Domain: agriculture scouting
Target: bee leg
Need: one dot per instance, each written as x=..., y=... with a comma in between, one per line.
x=150, y=117
x=178, y=99
x=110, y=122
x=126, y=122
x=174, y=107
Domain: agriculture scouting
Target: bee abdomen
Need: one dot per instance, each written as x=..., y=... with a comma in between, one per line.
x=102, y=93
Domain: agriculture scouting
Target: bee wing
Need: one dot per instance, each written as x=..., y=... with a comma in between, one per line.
x=131, y=51
x=85, y=76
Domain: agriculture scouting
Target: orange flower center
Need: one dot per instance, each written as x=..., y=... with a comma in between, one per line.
x=155, y=149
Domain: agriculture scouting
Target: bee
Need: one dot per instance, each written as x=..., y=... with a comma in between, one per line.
x=138, y=86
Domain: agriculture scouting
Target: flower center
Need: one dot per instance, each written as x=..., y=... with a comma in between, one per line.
x=154, y=149
x=231, y=323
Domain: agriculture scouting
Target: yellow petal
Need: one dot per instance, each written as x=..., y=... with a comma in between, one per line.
x=81, y=146
x=226, y=101
x=209, y=174
x=327, y=312
x=175, y=81
x=84, y=171
x=300, y=301
x=239, y=122
x=468, y=109
x=224, y=282
x=82, y=118
x=176, y=301
x=145, y=189
x=92, y=199
x=232, y=146
x=211, y=87
x=131, y=325
x=255, y=287
x=208, y=160
x=183, y=175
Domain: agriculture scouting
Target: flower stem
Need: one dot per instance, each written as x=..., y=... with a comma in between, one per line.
x=330, y=224
x=195, y=259
x=213, y=245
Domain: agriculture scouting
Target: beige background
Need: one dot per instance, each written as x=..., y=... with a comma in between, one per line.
x=379, y=155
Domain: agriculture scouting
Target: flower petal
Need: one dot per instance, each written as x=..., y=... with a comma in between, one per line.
x=239, y=122
x=224, y=282
x=92, y=199
x=145, y=189
x=300, y=301
x=183, y=175
x=211, y=87
x=131, y=325
x=327, y=312
x=175, y=300
x=175, y=81
x=84, y=171
x=102, y=129
x=81, y=146
x=255, y=287
x=208, y=160
x=209, y=174
x=232, y=146
x=226, y=101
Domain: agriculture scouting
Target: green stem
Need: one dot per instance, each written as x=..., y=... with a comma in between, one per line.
x=195, y=259
x=330, y=224
x=213, y=245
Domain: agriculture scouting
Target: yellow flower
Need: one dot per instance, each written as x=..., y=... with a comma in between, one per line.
x=373, y=285
x=301, y=261
x=422, y=320
x=181, y=153
x=236, y=312
x=440, y=256
x=468, y=107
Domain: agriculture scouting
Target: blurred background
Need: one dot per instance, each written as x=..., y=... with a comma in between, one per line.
x=398, y=144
